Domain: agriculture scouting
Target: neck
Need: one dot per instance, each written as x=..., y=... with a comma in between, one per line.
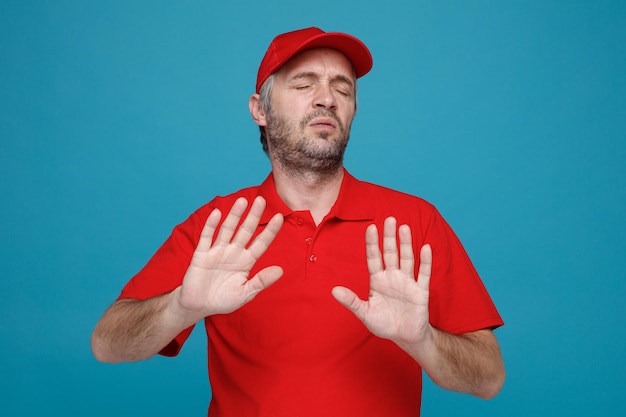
x=316, y=193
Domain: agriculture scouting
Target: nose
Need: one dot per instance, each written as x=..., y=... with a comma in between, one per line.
x=324, y=97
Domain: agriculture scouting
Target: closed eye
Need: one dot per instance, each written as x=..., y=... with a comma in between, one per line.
x=343, y=86
x=303, y=80
x=343, y=91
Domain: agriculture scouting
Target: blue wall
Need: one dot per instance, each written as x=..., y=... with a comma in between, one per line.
x=119, y=118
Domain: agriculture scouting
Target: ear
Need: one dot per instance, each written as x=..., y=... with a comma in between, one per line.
x=256, y=110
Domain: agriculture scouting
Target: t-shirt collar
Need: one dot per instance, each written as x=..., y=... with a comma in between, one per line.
x=352, y=204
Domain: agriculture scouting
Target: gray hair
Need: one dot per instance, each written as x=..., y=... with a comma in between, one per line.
x=265, y=94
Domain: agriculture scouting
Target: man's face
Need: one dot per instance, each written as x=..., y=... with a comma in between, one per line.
x=313, y=104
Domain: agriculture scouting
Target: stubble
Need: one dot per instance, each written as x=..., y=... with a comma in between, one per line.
x=300, y=155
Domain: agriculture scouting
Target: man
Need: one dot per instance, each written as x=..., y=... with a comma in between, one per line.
x=322, y=295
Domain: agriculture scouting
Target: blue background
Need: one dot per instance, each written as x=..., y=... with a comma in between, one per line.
x=119, y=118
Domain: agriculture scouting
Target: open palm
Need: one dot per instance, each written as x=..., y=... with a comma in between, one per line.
x=397, y=307
x=217, y=280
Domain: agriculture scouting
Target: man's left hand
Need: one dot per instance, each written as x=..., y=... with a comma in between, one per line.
x=397, y=307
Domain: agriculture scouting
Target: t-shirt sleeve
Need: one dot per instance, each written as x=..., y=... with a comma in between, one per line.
x=164, y=272
x=459, y=302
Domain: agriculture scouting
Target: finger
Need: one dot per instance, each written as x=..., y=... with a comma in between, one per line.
x=372, y=250
x=250, y=223
x=266, y=237
x=350, y=300
x=423, y=273
x=263, y=279
x=390, y=244
x=229, y=225
x=206, y=237
x=407, y=260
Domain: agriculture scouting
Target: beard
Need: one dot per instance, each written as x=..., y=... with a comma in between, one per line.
x=299, y=154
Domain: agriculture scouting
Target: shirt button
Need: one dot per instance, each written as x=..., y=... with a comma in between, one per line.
x=312, y=258
x=300, y=222
x=308, y=241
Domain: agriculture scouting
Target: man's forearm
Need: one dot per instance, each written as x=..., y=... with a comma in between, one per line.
x=132, y=330
x=470, y=363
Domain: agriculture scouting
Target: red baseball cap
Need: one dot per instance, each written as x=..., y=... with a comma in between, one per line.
x=286, y=45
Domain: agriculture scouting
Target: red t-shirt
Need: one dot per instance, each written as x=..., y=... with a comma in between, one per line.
x=294, y=350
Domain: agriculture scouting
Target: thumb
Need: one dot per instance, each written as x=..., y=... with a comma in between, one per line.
x=263, y=279
x=349, y=300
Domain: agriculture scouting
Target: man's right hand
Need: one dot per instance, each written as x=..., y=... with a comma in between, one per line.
x=217, y=280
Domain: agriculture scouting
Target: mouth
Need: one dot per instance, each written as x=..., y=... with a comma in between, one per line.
x=323, y=123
